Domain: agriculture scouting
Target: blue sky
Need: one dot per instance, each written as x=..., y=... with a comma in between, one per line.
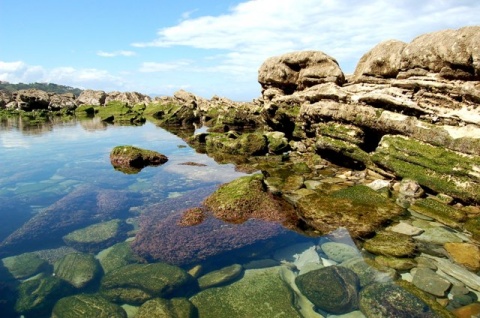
x=206, y=47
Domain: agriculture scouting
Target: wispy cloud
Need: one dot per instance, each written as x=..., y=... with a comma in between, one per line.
x=116, y=53
x=152, y=67
x=254, y=30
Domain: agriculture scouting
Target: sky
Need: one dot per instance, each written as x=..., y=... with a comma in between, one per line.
x=211, y=47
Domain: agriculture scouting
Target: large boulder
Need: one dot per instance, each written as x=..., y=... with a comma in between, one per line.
x=78, y=269
x=128, y=98
x=297, y=71
x=91, y=97
x=30, y=99
x=62, y=101
x=383, y=61
x=454, y=54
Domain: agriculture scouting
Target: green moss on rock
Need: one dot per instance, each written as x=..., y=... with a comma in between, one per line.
x=439, y=211
x=124, y=157
x=117, y=256
x=24, y=265
x=119, y=112
x=439, y=169
x=81, y=306
x=391, y=244
x=77, y=269
x=174, y=308
x=359, y=209
x=98, y=236
x=137, y=283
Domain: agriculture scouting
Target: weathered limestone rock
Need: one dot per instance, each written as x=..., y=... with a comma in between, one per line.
x=91, y=97
x=61, y=101
x=383, y=61
x=128, y=98
x=466, y=254
x=452, y=53
x=29, y=99
x=299, y=70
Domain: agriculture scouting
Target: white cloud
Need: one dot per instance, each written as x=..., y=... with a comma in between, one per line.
x=19, y=71
x=116, y=53
x=153, y=67
x=254, y=30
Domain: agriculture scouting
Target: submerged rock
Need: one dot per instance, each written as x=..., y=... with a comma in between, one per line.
x=137, y=283
x=220, y=277
x=380, y=300
x=77, y=269
x=391, y=244
x=24, y=265
x=260, y=293
x=36, y=297
x=98, y=236
x=117, y=256
x=80, y=306
x=173, y=308
x=333, y=289
x=132, y=158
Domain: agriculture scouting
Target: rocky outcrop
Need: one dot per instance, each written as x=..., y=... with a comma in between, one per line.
x=128, y=98
x=91, y=97
x=404, y=101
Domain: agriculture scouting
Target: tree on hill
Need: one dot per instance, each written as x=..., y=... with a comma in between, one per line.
x=47, y=87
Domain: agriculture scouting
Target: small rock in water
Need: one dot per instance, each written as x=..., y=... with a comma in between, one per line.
x=438, y=235
x=339, y=252
x=427, y=280
x=333, y=289
x=220, y=277
x=405, y=228
x=465, y=254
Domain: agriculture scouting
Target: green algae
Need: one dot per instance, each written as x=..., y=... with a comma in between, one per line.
x=343, y=148
x=79, y=306
x=436, y=168
x=391, y=244
x=24, y=265
x=439, y=211
x=119, y=113
x=78, y=269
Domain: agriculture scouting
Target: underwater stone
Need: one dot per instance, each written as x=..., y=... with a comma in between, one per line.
x=428, y=281
x=390, y=244
x=339, y=252
x=24, y=265
x=380, y=300
x=260, y=293
x=439, y=211
x=77, y=269
x=367, y=273
x=80, y=306
x=98, y=236
x=117, y=256
x=220, y=276
x=333, y=289
x=137, y=283
x=173, y=308
x=37, y=296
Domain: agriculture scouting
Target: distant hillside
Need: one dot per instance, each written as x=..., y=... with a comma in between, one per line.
x=47, y=87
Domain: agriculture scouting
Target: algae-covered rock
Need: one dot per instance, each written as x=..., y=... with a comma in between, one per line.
x=473, y=226
x=333, y=289
x=77, y=269
x=119, y=113
x=37, y=296
x=117, y=256
x=395, y=262
x=81, y=306
x=277, y=142
x=380, y=300
x=220, y=276
x=24, y=265
x=247, y=144
x=173, y=308
x=171, y=114
x=137, y=283
x=359, y=209
x=439, y=211
x=367, y=272
x=437, y=168
x=391, y=244
x=242, y=199
x=128, y=157
x=260, y=293
x=98, y=236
